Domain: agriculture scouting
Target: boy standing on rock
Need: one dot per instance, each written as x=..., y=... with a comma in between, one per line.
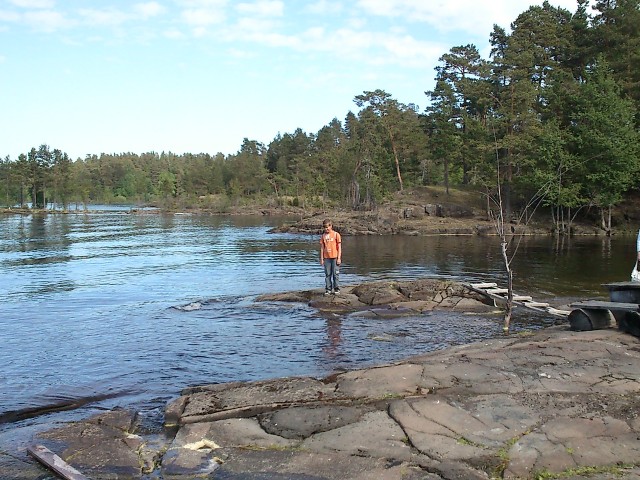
x=330, y=257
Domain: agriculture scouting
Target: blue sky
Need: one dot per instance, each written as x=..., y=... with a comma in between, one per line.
x=192, y=76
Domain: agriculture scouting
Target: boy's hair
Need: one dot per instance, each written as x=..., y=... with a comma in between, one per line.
x=326, y=222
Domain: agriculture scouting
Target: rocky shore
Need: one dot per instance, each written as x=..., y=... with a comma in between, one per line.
x=546, y=404
x=425, y=211
x=392, y=298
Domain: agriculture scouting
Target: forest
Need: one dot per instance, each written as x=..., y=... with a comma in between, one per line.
x=553, y=115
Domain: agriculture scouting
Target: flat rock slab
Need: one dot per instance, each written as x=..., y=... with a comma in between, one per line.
x=217, y=402
x=555, y=402
x=503, y=407
x=101, y=446
x=13, y=468
x=392, y=299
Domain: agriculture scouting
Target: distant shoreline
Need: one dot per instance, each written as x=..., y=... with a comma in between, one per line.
x=386, y=220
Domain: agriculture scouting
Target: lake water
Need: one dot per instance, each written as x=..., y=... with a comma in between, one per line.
x=93, y=305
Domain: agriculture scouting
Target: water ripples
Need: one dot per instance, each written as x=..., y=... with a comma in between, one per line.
x=128, y=310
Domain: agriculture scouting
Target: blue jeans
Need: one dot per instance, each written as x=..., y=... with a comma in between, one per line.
x=331, y=272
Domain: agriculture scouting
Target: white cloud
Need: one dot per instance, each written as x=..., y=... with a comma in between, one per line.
x=253, y=26
x=474, y=16
x=241, y=54
x=174, y=34
x=325, y=7
x=33, y=3
x=104, y=17
x=272, y=39
x=263, y=8
x=46, y=20
x=348, y=41
x=380, y=48
x=385, y=8
x=203, y=16
x=6, y=16
x=149, y=9
x=406, y=50
x=371, y=47
x=203, y=3
x=314, y=35
x=199, y=31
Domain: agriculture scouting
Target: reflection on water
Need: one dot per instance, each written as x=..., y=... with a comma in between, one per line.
x=90, y=303
x=334, y=338
x=543, y=266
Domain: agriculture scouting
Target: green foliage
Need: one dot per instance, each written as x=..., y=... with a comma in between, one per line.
x=612, y=470
x=167, y=185
x=605, y=137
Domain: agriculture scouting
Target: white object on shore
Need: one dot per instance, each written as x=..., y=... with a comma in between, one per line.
x=635, y=274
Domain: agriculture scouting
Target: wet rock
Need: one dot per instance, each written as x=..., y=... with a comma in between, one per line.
x=101, y=446
x=182, y=463
x=302, y=422
x=379, y=293
x=13, y=468
x=242, y=400
x=391, y=299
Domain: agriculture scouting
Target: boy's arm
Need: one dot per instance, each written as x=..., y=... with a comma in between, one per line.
x=339, y=261
x=321, y=253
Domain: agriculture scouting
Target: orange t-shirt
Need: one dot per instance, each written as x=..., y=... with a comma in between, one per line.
x=329, y=242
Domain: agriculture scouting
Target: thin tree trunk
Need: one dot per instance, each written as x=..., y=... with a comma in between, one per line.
x=395, y=156
x=508, y=309
x=446, y=174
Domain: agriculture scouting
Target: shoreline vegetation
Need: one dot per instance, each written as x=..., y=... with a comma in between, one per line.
x=419, y=211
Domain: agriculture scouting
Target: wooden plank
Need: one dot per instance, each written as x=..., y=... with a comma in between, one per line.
x=482, y=286
x=522, y=298
x=601, y=305
x=55, y=463
x=623, y=285
x=497, y=291
x=536, y=304
x=492, y=290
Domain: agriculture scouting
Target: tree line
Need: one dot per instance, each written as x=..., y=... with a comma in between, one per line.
x=552, y=114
